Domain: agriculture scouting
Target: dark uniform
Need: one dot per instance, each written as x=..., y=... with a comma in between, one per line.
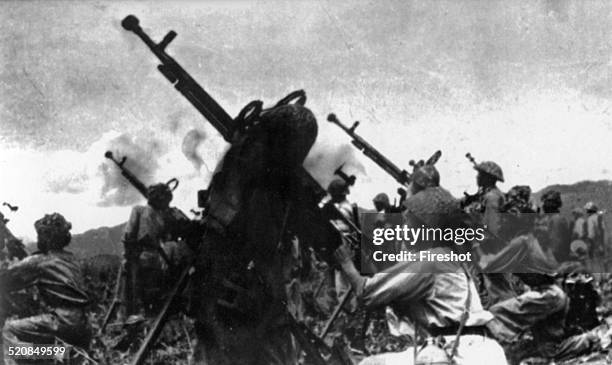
x=149, y=251
x=142, y=239
x=241, y=313
x=487, y=211
x=555, y=229
x=56, y=275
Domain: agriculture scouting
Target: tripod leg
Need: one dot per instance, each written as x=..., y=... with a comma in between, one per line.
x=117, y=296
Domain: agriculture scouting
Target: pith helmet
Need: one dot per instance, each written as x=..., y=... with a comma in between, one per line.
x=490, y=168
x=426, y=176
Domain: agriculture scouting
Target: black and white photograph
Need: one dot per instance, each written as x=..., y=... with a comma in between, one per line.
x=395, y=182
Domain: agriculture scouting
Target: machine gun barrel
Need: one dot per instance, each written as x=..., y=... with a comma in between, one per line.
x=183, y=82
x=400, y=175
x=216, y=115
x=139, y=185
x=308, y=190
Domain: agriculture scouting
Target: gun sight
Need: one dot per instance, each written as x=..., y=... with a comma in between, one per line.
x=348, y=179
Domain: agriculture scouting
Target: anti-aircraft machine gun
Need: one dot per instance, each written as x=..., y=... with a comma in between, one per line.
x=402, y=176
x=15, y=249
x=310, y=193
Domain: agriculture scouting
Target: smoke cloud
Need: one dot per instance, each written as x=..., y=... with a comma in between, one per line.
x=191, y=142
x=142, y=160
x=325, y=159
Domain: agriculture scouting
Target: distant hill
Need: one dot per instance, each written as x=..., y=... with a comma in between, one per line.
x=98, y=241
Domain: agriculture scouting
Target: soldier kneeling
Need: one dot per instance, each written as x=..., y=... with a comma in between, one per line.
x=56, y=275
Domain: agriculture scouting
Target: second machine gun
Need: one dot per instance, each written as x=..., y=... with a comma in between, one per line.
x=180, y=226
x=402, y=176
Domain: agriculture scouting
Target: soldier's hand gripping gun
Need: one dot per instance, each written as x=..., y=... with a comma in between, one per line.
x=309, y=194
x=400, y=175
x=469, y=199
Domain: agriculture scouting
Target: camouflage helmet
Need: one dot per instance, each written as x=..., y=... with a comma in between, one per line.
x=490, y=168
x=426, y=176
x=552, y=198
x=381, y=198
x=53, y=231
x=590, y=207
x=433, y=206
x=518, y=200
x=293, y=130
x=159, y=195
x=338, y=187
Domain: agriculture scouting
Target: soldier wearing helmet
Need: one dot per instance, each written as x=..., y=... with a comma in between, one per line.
x=382, y=203
x=433, y=297
x=489, y=200
x=423, y=177
x=144, y=240
x=56, y=275
x=338, y=190
x=556, y=234
x=486, y=206
x=595, y=230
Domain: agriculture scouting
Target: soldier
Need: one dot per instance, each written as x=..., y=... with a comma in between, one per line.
x=595, y=230
x=426, y=176
x=490, y=198
x=145, y=258
x=486, y=208
x=56, y=275
x=578, y=224
x=242, y=312
x=338, y=190
x=541, y=310
x=382, y=203
x=432, y=296
x=556, y=229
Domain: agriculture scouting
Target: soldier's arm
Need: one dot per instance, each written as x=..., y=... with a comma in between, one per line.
x=384, y=288
x=492, y=217
x=22, y=274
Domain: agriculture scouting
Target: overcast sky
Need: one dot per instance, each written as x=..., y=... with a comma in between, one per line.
x=524, y=83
